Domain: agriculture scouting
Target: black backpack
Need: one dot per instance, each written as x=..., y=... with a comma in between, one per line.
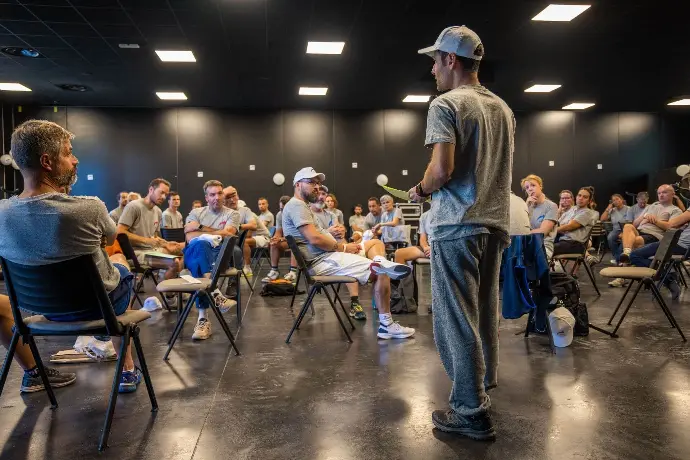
x=402, y=296
x=279, y=288
x=566, y=293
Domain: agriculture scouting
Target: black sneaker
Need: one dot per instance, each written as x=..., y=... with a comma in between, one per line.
x=32, y=384
x=477, y=427
x=624, y=259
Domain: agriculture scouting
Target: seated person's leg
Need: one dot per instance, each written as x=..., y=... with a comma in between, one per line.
x=613, y=239
x=404, y=255
x=275, y=251
x=249, y=244
x=630, y=239
x=292, y=274
x=172, y=267
x=640, y=257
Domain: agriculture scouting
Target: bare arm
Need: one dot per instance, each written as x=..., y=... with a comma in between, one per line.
x=569, y=227
x=638, y=221
x=139, y=240
x=605, y=215
x=440, y=167
x=318, y=239
x=679, y=221
x=251, y=225
x=546, y=227
x=423, y=241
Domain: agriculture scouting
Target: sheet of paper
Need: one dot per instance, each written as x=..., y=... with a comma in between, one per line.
x=190, y=279
x=160, y=254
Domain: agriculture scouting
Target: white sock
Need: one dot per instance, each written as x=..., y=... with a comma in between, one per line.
x=385, y=318
x=627, y=251
x=202, y=313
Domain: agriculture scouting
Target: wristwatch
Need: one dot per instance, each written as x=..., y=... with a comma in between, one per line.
x=201, y=227
x=420, y=192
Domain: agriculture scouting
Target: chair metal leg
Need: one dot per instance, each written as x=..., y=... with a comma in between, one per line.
x=335, y=310
x=251, y=288
x=345, y=312
x=415, y=284
x=42, y=370
x=238, y=298
x=294, y=293
x=180, y=313
x=621, y=302
x=224, y=325
x=298, y=320
x=588, y=269
x=625, y=312
x=114, y=389
x=178, y=329
x=317, y=290
x=667, y=310
x=144, y=368
x=8, y=359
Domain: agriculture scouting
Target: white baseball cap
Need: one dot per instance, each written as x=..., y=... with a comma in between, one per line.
x=562, y=323
x=307, y=173
x=459, y=40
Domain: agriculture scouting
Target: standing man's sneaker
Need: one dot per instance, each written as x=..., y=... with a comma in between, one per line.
x=130, y=381
x=291, y=276
x=248, y=270
x=394, y=331
x=272, y=276
x=202, y=330
x=356, y=311
x=479, y=427
x=394, y=270
x=618, y=282
x=32, y=381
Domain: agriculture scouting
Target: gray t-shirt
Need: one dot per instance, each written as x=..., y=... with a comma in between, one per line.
x=221, y=220
x=548, y=210
x=279, y=220
x=261, y=229
x=618, y=215
x=142, y=221
x=390, y=234
x=296, y=213
x=684, y=240
x=339, y=215
x=246, y=214
x=476, y=199
x=116, y=213
x=171, y=220
x=634, y=212
x=566, y=216
x=665, y=213
x=325, y=219
x=268, y=218
x=424, y=224
x=357, y=221
x=584, y=216
x=370, y=220
x=55, y=227
x=519, y=216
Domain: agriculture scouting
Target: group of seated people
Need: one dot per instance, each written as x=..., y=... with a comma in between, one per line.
x=636, y=230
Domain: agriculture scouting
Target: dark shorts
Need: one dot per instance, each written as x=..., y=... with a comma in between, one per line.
x=568, y=247
x=648, y=239
x=119, y=298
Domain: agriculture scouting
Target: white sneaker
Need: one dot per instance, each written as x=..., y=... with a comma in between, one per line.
x=272, y=276
x=618, y=282
x=612, y=261
x=202, y=330
x=171, y=299
x=394, y=270
x=291, y=276
x=394, y=331
x=248, y=270
x=223, y=303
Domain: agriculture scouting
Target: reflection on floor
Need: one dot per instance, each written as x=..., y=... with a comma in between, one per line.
x=322, y=398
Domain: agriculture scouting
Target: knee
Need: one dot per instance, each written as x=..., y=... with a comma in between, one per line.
x=629, y=228
x=5, y=309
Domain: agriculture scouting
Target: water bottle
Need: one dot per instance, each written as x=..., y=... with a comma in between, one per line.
x=373, y=303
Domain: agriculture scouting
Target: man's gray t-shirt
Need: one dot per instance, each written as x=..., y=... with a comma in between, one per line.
x=325, y=219
x=296, y=213
x=246, y=214
x=172, y=220
x=268, y=218
x=618, y=215
x=142, y=221
x=357, y=221
x=566, y=216
x=392, y=234
x=279, y=220
x=684, y=239
x=116, y=213
x=584, y=216
x=224, y=219
x=476, y=199
x=634, y=212
x=548, y=210
x=424, y=224
x=339, y=215
x=370, y=220
x=55, y=227
x=664, y=213
x=261, y=229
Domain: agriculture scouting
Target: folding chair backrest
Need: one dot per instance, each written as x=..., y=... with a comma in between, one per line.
x=173, y=234
x=665, y=249
x=222, y=260
x=589, y=237
x=128, y=251
x=301, y=263
x=272, y=231
x=242, y=237
x=63, y=288
x=597, y=229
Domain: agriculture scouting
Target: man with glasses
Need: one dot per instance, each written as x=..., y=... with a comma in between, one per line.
x=328, y=257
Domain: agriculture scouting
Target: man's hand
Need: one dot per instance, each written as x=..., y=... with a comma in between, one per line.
x=427, y=252
x=609, y=208
x=172, y=247
x=650, y=218
x=352, y=248
x=337, y=232
x=104, y=241
x=412, y=193
x=376, y=228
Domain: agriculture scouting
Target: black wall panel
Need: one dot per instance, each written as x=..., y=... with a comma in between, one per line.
x=308, y=141
x=551, y=138
x=596, y=143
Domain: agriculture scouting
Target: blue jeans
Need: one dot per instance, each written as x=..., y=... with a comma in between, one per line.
x=199, y=257
x=615, y=243
x=641, y=257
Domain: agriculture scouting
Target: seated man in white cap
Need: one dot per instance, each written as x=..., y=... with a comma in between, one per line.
x=326, y=256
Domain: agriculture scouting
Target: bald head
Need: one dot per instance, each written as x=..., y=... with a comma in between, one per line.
x=231, y=197
x=665, y=193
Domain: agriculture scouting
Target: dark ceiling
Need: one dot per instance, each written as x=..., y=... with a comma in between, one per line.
x=621, y=54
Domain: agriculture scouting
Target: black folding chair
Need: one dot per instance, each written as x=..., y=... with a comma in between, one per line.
x=415, y=264
x=650, y=278
x=678, y=265
x=68, y=288
x=204, y=288
x=173, y=234
x=578, y=259
x=138, y=269
x=240, y=244
x=318, y=284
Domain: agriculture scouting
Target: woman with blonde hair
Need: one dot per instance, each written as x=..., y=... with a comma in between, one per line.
x=332, y=206
x=543, y=213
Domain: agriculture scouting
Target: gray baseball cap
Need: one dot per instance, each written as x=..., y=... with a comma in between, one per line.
x=459, y=40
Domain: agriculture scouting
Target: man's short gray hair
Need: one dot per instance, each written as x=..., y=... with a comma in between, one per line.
x=33, y=138
x=212, y=183
x=386, y=198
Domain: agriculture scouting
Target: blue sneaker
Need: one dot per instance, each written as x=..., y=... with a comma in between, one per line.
x=130, y=380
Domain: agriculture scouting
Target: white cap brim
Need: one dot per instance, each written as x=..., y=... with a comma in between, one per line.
x=429, y=51
x=321, y=176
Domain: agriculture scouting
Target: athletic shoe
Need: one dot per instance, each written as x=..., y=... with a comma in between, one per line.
x=202, y=330
x=618, y=282
x=32, y=384
x=248, y=270
x=591, y=260
x=272, y=276
x=674, y=288
x=171, y=299
x=356, y=311
x=395, y=271
x=223, y=303
x=394, y=331
x=291, y=276
x=479, y=427
x=613, y=262
x=624, y=259
x=130, y=380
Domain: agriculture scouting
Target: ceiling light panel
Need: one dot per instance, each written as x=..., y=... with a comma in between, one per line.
x=13, y=87
x=579, y=106
x=680, y=102
x=171, y=96
x=542, y=88
x=325, y=47
x=560, y=13
x=176, y=56
x=416, y=98
x=309, y=91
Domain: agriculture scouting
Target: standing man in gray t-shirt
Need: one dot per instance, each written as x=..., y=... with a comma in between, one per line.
x=471, y=133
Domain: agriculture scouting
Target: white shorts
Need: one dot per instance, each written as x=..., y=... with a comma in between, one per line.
x=344, y=264
x=261, y=241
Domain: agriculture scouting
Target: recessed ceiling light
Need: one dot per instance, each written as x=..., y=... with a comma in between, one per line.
x=307, y=91
x=325, y=47
x=555, y=12
x=176, y=56
x=13, y=87
x=542, y=88
x=579, y=106
x=416, y=98
x=129, y=45
x=21, y=52
x=171, y=96
x=680, y=102
x=73, y=87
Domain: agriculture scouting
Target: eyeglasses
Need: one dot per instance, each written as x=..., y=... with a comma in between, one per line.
x=311, y=182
